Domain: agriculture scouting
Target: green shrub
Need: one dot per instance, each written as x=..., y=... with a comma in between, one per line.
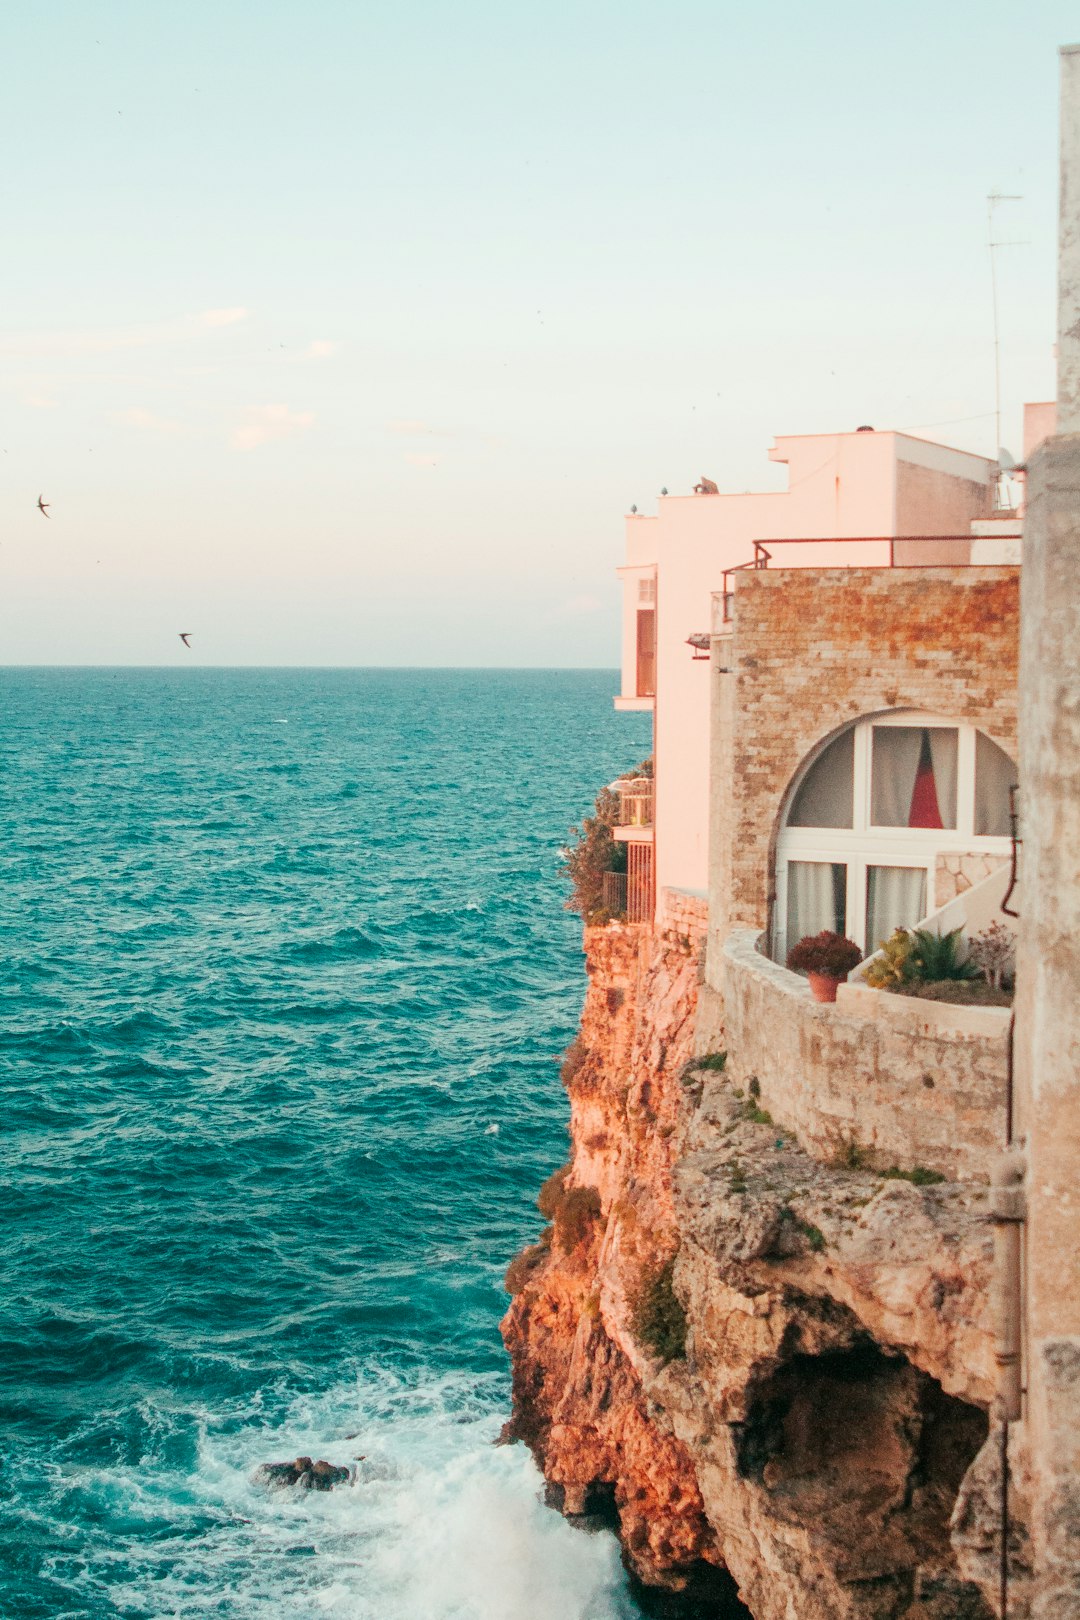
x=551, y=1193
x=919, y=1177
x=938, y=956
x=659, y=1320
x=755, y=1115
x=850, y=1155
x=813, y=1235
x=522, y=1267
x=594, y=851
x=579, y=1209
x=913, y=956
x=573, y=1061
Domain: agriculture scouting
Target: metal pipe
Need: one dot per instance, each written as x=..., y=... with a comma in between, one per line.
x=1008, y=1212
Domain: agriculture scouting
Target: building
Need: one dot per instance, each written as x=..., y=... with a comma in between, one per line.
x=865, y=499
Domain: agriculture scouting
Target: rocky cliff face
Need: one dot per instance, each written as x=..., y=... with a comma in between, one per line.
x=770, y=1375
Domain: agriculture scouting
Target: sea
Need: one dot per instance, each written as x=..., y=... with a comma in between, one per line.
x=285, y=975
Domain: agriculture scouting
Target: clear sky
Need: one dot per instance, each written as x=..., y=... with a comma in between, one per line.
x=344, y=333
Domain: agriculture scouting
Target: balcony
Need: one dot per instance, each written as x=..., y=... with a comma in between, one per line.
x=877, y=551
x=635, y=801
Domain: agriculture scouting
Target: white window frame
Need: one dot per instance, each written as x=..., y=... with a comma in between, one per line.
x=863, y=845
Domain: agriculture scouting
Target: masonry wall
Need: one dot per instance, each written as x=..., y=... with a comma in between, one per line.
x=884, y=1080
x=813, y=650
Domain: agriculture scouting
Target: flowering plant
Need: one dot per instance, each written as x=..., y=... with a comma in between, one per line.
x=827, y=953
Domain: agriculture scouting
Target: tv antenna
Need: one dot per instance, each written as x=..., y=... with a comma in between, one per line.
x=992, y=202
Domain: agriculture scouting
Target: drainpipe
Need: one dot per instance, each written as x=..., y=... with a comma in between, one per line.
x=1007, y=1213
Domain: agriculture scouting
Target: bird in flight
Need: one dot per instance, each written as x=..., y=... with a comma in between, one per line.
x=43, y=505
x=184, y=634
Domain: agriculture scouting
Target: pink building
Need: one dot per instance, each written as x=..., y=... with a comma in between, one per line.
x=865, y=499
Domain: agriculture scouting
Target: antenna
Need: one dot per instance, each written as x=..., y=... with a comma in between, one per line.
x=992, y=201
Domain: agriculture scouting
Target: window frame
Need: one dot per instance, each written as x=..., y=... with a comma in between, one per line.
x=863, y=844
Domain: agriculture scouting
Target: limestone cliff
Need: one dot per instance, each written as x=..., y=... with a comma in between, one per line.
x=770, y=1374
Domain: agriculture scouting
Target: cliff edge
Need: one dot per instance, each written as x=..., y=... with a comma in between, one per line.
x=768, y=1373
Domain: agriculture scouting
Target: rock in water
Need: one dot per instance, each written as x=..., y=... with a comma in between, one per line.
x=303, y=1474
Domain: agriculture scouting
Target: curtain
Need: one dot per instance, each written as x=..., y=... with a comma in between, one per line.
x=824, y=797
x=943, y=755
x=815, y=899
x=894, y=767
x=895, y=898
x=995, y=773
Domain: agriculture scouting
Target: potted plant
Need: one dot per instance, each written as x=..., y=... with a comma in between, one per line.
x=825, y=958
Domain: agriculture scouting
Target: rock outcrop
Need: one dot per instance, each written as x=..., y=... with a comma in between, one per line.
x=771, y=1375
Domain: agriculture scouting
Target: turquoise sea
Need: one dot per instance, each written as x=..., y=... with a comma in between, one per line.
x=284, y=977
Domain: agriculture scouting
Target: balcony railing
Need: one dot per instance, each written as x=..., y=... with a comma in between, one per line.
x=891, y=551
x=615, y=893
x=635, y=801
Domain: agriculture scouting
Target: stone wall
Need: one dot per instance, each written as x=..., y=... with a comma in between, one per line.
x=683, y=912
x=894, y=1081
x=812, y=651
x=957, y=871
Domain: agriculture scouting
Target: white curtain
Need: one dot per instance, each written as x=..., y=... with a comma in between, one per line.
x=943, y=757
x=893, y=771
x=814, y=899
x=825, y=796
x=895, y=898
x=995, y=773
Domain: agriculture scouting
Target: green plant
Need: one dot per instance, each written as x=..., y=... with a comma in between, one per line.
x=755, y=1115
x=850, y=1155
x=594, y=852
x=912, y=956
x=938, y=956
x=713, y=1062
x=737, y=1174
x=551, y=1194
x=579, y=1208
x=827, y=953
x=659, y=1320
x=891, y=966
x=813, y=1235
x=522, y=1267
x=754, y=1087
x=573, y=1061
x=919, y=1177
x=993, y=952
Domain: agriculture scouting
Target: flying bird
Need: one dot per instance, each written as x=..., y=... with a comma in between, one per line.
x=184, y=634
x=43, y=505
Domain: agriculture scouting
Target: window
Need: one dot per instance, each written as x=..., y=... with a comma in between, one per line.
x=868, y=817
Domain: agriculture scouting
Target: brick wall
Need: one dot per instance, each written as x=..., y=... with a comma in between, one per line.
x=814, y=649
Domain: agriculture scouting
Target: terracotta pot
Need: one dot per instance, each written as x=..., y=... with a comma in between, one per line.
x=823, y=986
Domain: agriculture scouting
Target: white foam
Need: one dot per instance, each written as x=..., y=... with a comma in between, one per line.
x=441, y=1524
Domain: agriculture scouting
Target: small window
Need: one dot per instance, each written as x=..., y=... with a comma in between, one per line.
x=995, y=774
x=824, y=796
x=913, y=776
x=646, y=591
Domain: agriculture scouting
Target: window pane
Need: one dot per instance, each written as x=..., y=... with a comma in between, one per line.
x=816, y=899
x=913, y=776
x=995, y=773
x=823, y=798
x=895, y=898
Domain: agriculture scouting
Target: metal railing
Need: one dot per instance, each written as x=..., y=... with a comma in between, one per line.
x=615, y=893
x=958, y=555
x=635, y=801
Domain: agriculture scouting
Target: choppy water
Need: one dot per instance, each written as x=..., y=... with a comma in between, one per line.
x=283, y=975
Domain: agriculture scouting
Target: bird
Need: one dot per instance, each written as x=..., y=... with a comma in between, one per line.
x=184, y=634
x=43, y=505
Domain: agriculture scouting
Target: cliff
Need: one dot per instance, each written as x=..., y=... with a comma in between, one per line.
x=769, y=1373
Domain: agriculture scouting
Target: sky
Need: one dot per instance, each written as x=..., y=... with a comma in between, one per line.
x=346, y=334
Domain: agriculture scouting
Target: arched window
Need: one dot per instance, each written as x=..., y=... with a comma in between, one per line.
x=868, y=816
